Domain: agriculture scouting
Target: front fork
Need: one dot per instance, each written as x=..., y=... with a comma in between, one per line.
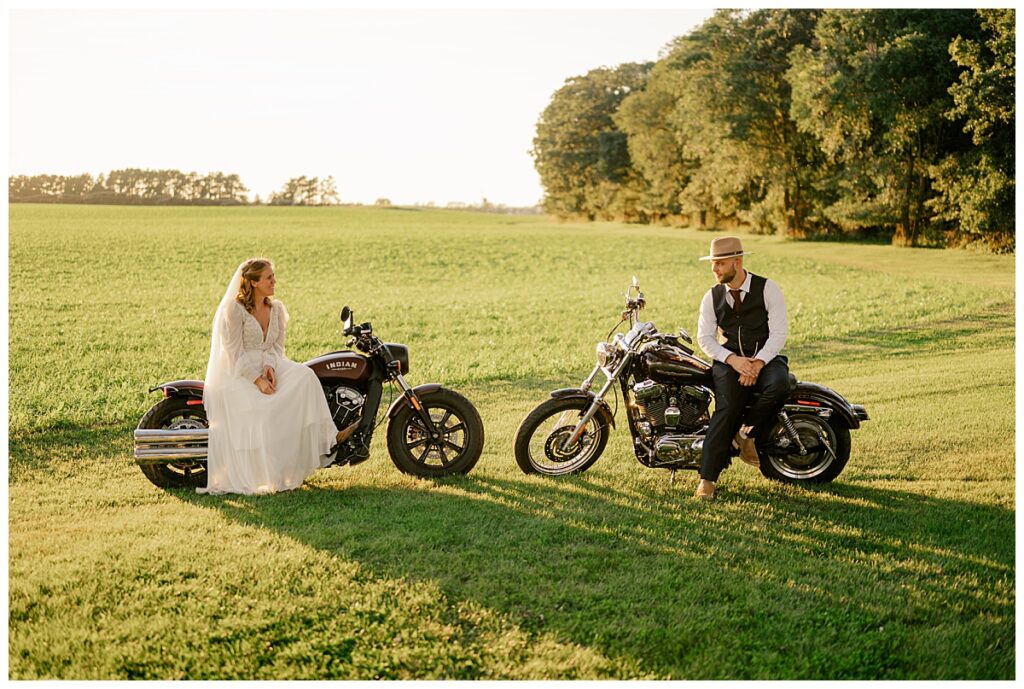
x=413, y=398
x=598, y=398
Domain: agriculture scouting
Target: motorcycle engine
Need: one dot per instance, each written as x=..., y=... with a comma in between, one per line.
x=345, y=404
x=673, y=408
x=673, y=419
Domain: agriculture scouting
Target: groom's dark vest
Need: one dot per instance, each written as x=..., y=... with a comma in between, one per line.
x=746, y=332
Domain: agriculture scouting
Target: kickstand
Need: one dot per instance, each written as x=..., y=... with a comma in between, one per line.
x=672, y=477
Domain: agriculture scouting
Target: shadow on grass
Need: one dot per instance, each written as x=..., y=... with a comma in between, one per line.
x=58, y=443
x=842, y=582
x=990, y=325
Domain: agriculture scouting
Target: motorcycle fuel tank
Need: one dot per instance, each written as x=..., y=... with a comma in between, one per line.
x=341, y=366
x=671, y=365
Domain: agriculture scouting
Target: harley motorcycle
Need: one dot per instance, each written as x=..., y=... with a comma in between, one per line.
x=668, y=394
x=432, y=431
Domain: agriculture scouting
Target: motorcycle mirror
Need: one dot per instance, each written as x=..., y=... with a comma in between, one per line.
x=346, y=317
x=636, y=283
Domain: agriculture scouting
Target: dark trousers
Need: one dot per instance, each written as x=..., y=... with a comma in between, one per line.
x=730, y=398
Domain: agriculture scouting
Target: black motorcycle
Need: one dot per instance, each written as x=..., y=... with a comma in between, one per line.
x=432, y=431
x=668, y=394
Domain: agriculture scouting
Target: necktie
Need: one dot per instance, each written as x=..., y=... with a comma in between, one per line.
x=736, y=299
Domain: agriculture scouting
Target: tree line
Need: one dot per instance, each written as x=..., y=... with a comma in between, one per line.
x=164, y=187
x=884, y=123
x=306, y=191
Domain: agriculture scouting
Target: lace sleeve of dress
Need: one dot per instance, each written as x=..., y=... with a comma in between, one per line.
x=272, y=356
x=241, y=362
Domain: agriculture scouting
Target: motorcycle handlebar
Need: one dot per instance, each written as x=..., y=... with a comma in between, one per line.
x=358, y=330
x=634, y=305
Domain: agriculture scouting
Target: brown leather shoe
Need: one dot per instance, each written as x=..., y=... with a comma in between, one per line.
x=344, y=433
x=748, y=452
x=705, y=490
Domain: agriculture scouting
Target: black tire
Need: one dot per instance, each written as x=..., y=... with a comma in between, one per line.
x=173, y=412
x=819, y=465
x=536, y=440
x=457, y=452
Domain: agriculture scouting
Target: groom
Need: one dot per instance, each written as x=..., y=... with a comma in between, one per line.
x=750, y=313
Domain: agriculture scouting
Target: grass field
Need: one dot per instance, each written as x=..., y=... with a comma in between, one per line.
x=903, y=568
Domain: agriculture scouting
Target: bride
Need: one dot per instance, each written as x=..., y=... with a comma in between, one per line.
x=269, y=423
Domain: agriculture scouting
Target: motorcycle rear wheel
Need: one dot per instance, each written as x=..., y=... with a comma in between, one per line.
x=824, y=460
x=457, y=450
x=174, y=413
x=538, y=440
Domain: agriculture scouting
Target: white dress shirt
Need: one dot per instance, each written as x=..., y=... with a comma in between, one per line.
x=778, y=323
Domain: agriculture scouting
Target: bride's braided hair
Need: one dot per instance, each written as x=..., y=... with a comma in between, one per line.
x=251, y=270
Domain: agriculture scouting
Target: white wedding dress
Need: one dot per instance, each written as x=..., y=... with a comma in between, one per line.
x=261, y=443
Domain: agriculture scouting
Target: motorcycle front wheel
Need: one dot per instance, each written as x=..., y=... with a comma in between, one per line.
x=542, y=434
x=827, y=444
x=174, y=413
x=455, y=450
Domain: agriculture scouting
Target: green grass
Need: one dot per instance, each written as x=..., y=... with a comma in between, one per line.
x=903, y=568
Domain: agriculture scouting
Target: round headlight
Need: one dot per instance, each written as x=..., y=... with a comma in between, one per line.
x=605, y=353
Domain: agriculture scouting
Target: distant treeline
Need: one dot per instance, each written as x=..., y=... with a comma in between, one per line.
x=484, y=206
x=892, y=123
x=131, y=186
x=164, y=187
x=172, y=187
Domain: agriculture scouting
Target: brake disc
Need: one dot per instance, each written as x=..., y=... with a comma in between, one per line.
x=553, y=446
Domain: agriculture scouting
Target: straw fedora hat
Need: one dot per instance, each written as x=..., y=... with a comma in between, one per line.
x=725, y=247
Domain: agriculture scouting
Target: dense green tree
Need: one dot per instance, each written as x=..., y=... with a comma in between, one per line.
x=711, y=130
x=873, y=90
x=733, y=114
x=976, y=187
x=895, y=122
x=581, y=154
x=654, y=146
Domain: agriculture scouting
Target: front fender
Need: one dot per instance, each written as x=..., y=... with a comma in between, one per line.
x=181, y=388
x=403, y=401
x=569, y=393
x=851, y=414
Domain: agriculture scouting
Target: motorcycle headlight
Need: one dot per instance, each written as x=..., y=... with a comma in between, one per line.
x=605, y=354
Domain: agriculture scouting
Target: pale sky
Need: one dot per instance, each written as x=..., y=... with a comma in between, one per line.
x=414, y=106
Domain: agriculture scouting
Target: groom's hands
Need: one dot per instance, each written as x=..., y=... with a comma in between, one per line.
x=748, y=368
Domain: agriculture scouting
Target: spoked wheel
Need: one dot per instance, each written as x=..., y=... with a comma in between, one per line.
x=541, y=440
x=173, y=413
x=827, y=445
x=453, y=448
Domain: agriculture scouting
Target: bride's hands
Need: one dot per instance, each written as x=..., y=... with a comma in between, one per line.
x=268, y=373
x=265, y=386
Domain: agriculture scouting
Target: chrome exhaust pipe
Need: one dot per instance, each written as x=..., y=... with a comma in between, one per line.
x=160, y=445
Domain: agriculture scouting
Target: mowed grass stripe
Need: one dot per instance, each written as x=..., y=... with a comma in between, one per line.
x=904, y=568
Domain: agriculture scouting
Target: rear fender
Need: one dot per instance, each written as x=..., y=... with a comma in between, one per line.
x=815, y=396
x=192, y=390
x=576, y=393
